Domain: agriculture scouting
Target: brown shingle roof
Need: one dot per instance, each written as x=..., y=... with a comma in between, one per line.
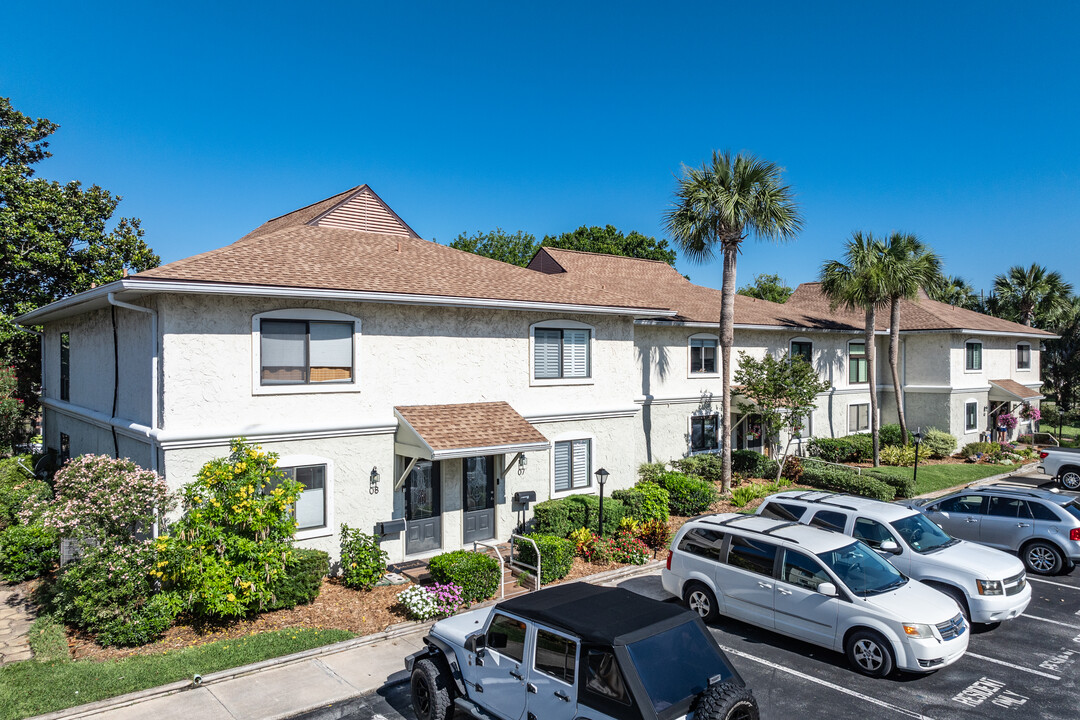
x=469, y=425
x=921, y=314
x=1021, y=392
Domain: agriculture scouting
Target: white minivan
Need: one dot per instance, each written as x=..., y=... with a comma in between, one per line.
x=815, y=585
x=989, y=585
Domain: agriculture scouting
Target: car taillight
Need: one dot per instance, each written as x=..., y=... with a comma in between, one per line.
x=669, y=554
x=1074, y=534
x=1043, y=454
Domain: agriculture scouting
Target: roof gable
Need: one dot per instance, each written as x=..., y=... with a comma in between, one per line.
x=365, y=211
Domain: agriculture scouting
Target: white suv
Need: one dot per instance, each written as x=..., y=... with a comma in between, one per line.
x=814, y=585
x=987, y=584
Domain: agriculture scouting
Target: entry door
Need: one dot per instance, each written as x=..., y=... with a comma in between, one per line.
x=478, y=487
x=423, y=508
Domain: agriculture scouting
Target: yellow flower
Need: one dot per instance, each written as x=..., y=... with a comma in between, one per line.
x=230, y=597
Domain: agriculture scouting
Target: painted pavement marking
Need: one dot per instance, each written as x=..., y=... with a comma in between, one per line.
x=1014, y=667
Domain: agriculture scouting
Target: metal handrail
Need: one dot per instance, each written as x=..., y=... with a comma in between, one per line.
x=857, y=469
x=1037, y=434
x=514, y=562
x=502, y=567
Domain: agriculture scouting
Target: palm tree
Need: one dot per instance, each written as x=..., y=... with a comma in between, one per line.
x=1032, y=295
x=860, y=283
x=909, y=266
x=717, y=207
x=955, y=291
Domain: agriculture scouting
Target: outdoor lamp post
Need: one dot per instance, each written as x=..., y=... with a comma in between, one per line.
x=601, y=478
x=917, y=437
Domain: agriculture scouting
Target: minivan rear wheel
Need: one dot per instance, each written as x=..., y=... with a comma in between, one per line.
x=870, y=653
x=701, y=600
x=1042, y=558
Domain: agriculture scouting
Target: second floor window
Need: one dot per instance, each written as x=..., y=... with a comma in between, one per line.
x=803, y=349
x=65, y=366
x=561, y=353
x=973, y=356
x=703, y=435
x=1023, y=357
x=858, y=365
x=702, y=355
x=298, y=352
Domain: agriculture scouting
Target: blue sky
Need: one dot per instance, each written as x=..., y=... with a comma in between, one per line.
x=955, y=121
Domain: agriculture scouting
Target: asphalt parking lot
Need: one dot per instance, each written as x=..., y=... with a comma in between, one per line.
x=1026, y=667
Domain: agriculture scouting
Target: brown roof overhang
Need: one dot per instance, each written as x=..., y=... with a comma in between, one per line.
x=1012, y=390
x=442, y=432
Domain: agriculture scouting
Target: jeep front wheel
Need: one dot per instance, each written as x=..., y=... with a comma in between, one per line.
x=430, y=692
x=726, y=701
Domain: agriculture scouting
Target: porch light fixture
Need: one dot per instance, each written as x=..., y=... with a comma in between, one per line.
x=522, y=462
x=601, y=478
x=373, y=486
x=917, y=437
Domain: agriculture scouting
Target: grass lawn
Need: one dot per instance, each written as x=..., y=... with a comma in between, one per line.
x=32, y=688
x=939, y=477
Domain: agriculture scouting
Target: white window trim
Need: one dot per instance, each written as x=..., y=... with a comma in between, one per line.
x=801, y=340
x=257, y=388
x=567, y=437
x=287, y=461
x=847, y=365
x=690, y=433
x=975, y=402
x=561, y=325
x=702, y=336
x=982, y=356
x=869, y=424
x=1031, y=358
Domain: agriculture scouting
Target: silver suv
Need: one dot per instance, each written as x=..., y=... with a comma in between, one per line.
x=989, y=585
x=1042, y=526
x=814, y=585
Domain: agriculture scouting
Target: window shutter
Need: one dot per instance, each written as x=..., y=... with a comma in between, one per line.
x=562, y=466
x=581, y=463
x=546, y=353
x=575, y=353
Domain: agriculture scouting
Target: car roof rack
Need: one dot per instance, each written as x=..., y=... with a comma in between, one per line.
x=828, y=500
x=769, y=531
x=1012, y=489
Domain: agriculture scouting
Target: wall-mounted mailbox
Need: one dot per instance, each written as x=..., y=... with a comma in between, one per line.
x=390, y=527
x=525, y=496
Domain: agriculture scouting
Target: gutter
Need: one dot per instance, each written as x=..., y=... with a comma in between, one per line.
x=111, y=296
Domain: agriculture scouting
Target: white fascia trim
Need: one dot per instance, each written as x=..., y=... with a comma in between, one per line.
x=123, y=426
x=204, y=288
x=993, y=333
x=748, y=326
x=490, y=450
x=945, y=389
x=598, y=414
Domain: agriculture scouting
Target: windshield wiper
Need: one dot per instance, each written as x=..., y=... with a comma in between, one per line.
x=886, y=588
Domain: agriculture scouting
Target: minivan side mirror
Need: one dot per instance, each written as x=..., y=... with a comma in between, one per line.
x=827, y=589
x=889, y=546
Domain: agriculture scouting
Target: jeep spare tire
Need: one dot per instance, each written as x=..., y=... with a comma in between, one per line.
x=430, y=692
x=726, y=701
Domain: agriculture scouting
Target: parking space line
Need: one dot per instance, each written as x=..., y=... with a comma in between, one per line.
x=826, y=683
x=1051, y=582
x=1014, y=667
x=1048, y=620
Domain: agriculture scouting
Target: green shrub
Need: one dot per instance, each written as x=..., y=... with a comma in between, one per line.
x=645, y=501
x=300, y=584
x=475, y=573
x=740, y=496
x=707, y=466
x=688, y=496
x=18, y=490
x=853, y=448
x=556, y=556
x=650, y=472
x=363, y=561
x=898, y=455
x=654, y=533
x=839, y=480
x=890, y=435
x=991, y=449
x=27, y=551
x=109, y=592
x=903, y=486
x=585, y=512
x=552, y=517
x=938, y=443
x=753, y=464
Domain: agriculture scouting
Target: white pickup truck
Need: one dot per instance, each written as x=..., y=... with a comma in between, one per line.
x=1063, y=464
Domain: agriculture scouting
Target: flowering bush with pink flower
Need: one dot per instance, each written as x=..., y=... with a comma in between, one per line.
x=1030, y=413
x=424, y=603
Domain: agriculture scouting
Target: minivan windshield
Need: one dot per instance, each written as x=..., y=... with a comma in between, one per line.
x=862, y=569
x=922, y=534
x=676, y=665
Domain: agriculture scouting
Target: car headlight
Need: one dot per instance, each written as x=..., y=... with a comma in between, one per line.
x=918, y=630
x=989, y=587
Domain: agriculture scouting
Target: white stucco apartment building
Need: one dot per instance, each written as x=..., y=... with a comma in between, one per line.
x=400, y=380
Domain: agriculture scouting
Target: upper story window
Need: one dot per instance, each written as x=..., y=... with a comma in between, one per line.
x=573, y=464
x=973, y=355
x=858, y=365
x=1023, y=356
x=704, y=434
x=304, y=350
x=562, y=350
x=703, y=354
x=803, y=349
x=65, y=366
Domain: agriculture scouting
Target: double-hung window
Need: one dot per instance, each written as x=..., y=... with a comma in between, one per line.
x=971, y=416
x=561, y=353
x=973, y=355
x=573, y=465
x=310, y=507
x=858, y=418
x=803, y=349
x=1023, y=357
x=703, y=433
x=702, y=355
x=303, y=352
x=858, y=365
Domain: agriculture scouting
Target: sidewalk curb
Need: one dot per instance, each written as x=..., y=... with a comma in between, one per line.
x=320, y=712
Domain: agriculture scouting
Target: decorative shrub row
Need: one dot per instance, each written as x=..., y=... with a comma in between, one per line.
x=853, y=448
x=903, y=486
x=687, y=495
x=839, y=480
x=556, y=555
x=645, y=501
x=991, y=449
x=475, y=573
x=752, y=464
x=562, y=516
x=300, y=583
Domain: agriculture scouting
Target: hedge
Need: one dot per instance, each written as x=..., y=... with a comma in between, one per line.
x=475, y=573
x=904, y=486
x=853, y=448
x=707, y=466
x=561, y=517
x=556, y=555
x=645, y=501
x=302, y=579
x=753, y=464
x=687, y=496
x=846, y=481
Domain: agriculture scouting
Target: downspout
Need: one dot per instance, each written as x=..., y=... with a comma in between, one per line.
x=153, y=375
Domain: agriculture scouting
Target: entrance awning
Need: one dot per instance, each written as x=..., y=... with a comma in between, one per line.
x=1012, y=391
x=442, y=432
